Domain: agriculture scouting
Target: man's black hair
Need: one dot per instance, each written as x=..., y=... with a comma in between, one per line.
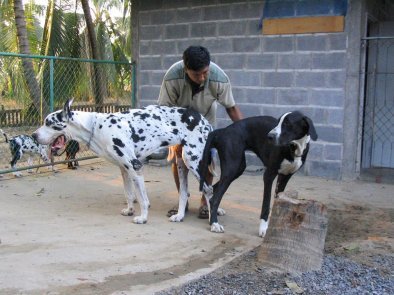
x=196, y=58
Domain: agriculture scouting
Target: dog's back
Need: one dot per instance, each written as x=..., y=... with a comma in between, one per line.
x=233, y=138
x=26, y=144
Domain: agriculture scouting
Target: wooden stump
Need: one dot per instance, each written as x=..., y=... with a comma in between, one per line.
x=295, y=237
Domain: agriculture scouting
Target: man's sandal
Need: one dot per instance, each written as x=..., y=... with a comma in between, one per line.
x=174, y=210
x=203, y=212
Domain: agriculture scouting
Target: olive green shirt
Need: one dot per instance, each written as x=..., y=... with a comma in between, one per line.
x=177, y=91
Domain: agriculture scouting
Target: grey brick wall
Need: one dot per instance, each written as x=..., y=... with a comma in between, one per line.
x=270, y=74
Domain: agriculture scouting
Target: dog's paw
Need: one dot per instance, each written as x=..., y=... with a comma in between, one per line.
x=176, y=218
x=128, y=212
x=221, y=212
x=139, y=220
x=263, y=228
x=217, y=228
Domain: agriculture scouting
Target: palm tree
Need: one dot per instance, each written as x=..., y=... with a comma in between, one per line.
x=61, y=37
x=113, y=35
x=27, y=65
x=66, y=34
x=98, y=81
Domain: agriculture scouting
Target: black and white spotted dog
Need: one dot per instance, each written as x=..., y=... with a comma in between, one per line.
x=127, y=138
x=25, y=144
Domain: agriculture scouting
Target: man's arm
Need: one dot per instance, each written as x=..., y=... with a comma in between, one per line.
x=168, y=95
x=234, y=113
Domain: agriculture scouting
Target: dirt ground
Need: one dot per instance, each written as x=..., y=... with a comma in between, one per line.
x=61, y=233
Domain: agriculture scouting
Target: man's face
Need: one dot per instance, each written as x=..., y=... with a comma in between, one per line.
x=198, y=77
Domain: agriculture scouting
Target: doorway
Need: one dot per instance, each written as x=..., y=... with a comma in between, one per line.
x=378, y=120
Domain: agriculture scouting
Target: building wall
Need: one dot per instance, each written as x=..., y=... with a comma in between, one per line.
x=270, y=74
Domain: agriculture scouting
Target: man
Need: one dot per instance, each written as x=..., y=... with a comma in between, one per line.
x=199, y=83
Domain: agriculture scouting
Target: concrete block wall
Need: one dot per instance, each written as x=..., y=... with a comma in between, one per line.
x=270, y=74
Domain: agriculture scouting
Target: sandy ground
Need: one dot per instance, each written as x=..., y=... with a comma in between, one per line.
x=62, y=233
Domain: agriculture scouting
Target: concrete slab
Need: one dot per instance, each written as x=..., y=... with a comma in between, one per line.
x=62, y=233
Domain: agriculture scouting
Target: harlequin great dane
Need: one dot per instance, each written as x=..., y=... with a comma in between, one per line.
x=282, y=145
x=25, y=144
x=126, y=139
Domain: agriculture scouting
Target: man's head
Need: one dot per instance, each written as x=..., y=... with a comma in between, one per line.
x=197, y=60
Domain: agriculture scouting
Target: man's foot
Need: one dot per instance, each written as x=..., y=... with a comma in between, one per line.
x=203, y=212
x=174, y=210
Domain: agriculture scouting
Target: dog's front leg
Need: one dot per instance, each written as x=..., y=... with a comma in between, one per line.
x=51, y=161
x=139, y=184
x=215, y=226
x=281, y=183
x=269, y=177
x=30, y=163
x=128, y=190
x=183, y=190
x=16, y=157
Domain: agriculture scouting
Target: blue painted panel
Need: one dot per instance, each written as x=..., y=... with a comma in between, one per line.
x=291, y=8
x=313, y=7
x=276, y=8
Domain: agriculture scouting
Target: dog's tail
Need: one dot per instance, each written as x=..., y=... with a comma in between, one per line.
x=4, y=134
x=206, y=159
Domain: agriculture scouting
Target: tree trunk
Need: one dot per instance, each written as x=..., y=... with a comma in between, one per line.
x=27, y=64
x=296, y=234
x=47, y=28
x=98, y=79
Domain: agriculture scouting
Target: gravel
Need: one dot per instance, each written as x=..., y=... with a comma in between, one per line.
x=338, y=275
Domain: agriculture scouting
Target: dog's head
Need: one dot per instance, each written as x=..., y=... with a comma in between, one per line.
x=291, y=127
x=54, y=130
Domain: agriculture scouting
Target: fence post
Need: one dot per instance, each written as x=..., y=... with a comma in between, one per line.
x=134, y=85
x=51, y=95
x=23, y=117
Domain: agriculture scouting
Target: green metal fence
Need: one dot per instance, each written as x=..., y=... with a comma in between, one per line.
x=33, y=86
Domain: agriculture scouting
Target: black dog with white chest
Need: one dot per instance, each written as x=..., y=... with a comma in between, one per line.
x=282, y=145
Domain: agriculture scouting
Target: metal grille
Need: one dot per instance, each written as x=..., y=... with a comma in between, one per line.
x=378, y=131
x=33, y=86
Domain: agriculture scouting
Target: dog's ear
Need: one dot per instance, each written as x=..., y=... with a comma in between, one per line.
x=312, y=130
x=67, y=109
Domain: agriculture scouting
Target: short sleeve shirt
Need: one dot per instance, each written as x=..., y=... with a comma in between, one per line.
x=176, y=90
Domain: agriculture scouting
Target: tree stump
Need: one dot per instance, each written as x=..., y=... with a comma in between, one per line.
x=295, y=237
